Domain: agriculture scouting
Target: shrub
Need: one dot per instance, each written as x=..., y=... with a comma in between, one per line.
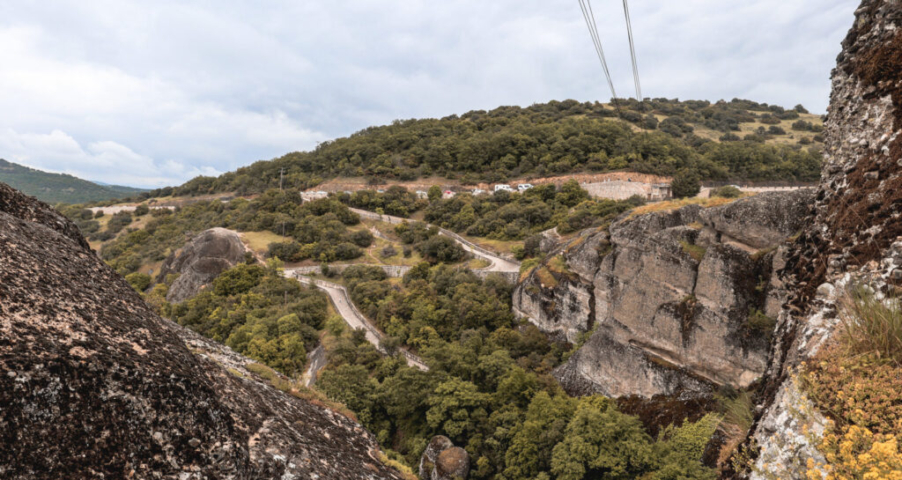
x=775, y=130
x=138, y=281
x=364, y=273
x=118, y=222
x=856, y=452
x=98, y=214
x=685, y=185
x=863, y=396
x=142, y=210
x=726, y=192
x=285, y=251
x=441, y=249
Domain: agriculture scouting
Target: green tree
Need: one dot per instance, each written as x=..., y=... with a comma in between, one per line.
x=572, y=194
x=685, y=185
x=601, y=442
x=138, y=281
x=238, y=280
x=542, y=428
x=434, y=193
x=457, y=408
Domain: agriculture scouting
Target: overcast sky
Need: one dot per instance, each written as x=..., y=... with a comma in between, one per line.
x=154, y=93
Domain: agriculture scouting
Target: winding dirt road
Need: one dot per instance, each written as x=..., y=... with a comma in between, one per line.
x=339, y=296
x=498, y=264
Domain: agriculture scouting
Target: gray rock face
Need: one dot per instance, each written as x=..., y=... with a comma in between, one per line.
x=443, y=461
x=93, y=384
x=669, y=296
x=200, y=261
x=853, y=239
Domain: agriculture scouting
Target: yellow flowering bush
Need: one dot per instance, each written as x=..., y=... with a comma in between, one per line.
x=863, y=396
x=862, y=390
x=857, y=453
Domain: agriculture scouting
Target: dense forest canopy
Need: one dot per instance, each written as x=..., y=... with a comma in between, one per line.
x=736, y=140
x=488, y=387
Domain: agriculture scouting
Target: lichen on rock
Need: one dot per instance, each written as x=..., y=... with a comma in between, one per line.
x=94, y=384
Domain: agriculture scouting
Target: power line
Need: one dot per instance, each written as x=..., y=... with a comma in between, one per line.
x=589, y=16
x=629, y=31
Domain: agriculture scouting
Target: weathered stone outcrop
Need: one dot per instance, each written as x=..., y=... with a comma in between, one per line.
x=853, y=238
x=671, y=297
x=93, y=384
x=200, y=261
x=443, y=461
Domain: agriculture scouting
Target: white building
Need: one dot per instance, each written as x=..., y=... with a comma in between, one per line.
x=524, y=187
x=448, y=194
x=478, y=191
x=422, y=194
x=503, y=186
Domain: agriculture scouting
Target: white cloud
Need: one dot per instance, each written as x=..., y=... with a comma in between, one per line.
x=182, y=88
x=103, y=161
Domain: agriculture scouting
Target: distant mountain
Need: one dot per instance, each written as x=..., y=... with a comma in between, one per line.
x=57, y=187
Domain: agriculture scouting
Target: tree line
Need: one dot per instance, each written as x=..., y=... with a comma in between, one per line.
x=544, y=139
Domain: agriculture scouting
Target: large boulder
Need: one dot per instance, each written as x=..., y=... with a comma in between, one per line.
x=443, y=461
x=678, y=301
x=94, y=384
x=200, y=261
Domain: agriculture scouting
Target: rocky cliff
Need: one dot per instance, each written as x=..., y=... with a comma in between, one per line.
x=200, y=261
x=678, y=302
x=673, y=298
x=852, y=240
x=94, y=384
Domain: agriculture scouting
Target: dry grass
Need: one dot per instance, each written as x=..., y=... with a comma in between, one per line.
x=527, y=266
x=259, y=241
x=669, y=205
x=694, y=251
x=871, y=326
x=151, y=268
x=478, y=263
x=498, y=246
x=738, y=414
x=546, y=278
x=558, y=264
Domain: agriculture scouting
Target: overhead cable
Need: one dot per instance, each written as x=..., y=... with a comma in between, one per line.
x=629, y=32
x=589, y=16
